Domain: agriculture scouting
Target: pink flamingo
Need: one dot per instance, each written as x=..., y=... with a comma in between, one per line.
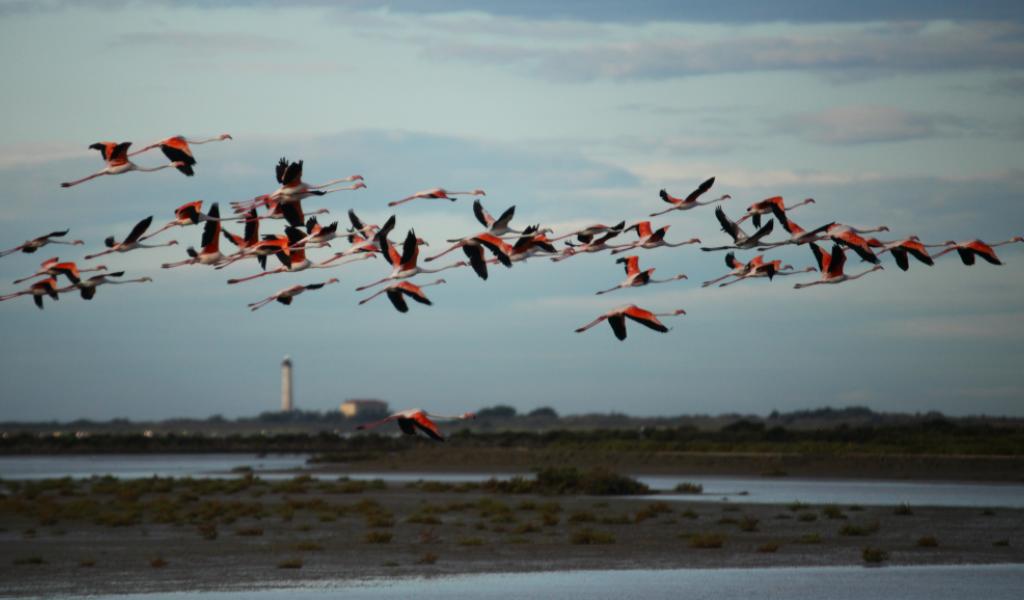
x=116, y=157
x=617, y=319
x=413, y=419
x=690, y=201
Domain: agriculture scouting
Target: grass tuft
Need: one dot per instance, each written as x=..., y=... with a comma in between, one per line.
x=588, y=537
x=707, y=540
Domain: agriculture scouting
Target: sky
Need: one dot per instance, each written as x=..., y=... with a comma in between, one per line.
x=905, y=114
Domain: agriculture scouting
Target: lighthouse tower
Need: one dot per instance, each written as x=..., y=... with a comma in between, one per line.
x=286, y=384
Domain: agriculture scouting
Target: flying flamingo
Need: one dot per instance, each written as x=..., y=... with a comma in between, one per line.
x=270, y=245
x=177, y=151
x=969, y=250
x=364, y=243
x=617, y=319
x=831, y=267
x=404, y=266
x=767, y=206
x=740, y=239
x=690, y=201
x=587, y=233
x=286, y=295
x=36, y=243
x=46, y=287
x=116, y=157
x=473, y=248
x=294, y=259
x=53, y=267
x=209, y=253
x=499, y=226
x=797, y=235
x=771, y=270
x=397, y=291
x=293, y=189
x=414, y=418
x=88, y=287
x=739, y=268
x=530, y=243
x=649, y=239
x=589, y=243
x=132, y=242
x=439, y=193
x=635, y=277
x=249, y=239
x=191, y=213
x=851, y=238
x=902, y=249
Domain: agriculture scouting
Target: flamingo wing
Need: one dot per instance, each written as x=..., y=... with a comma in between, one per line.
x=357, y=223
x=505, y=218
x=395, y=296
x=410, y=250
x=664, y=195
x=481, y=214
x=498, y=248
x=292, y=212
x=414, y=291
x=645, y=318
x=820, y=257
x=54, y=234
x=727, y=225
x=176, y=150
x=119, y=153
x=137, y=231
x=427, y=426
x=701, y=189
x=632, y=264
x=475, y=254
x=838, y=259
x=618, y=323
x=900, y=255
x=211, y=230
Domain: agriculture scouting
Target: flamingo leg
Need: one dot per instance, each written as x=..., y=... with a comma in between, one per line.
x=256, y=276
x=375, y=283
x=667, y=210
x=591, y=324
x=365, y=300
x=68, y=184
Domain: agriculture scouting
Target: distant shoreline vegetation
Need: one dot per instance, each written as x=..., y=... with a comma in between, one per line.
x=825, y=432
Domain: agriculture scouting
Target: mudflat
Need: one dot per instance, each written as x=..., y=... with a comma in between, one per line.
x=106, y=536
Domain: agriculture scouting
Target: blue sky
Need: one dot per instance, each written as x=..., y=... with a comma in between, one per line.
x=908, y=115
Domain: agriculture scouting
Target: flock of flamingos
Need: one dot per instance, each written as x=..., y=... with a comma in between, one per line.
x=497, y=242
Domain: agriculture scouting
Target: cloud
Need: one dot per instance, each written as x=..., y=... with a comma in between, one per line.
x=203, y=43
x=959, y=327
x=608, y=11
x=863, y=124
x=844, y=52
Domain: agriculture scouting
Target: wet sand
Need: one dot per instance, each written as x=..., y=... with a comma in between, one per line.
x=191, y=536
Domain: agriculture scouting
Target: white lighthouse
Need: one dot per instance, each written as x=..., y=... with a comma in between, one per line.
x=286, y=384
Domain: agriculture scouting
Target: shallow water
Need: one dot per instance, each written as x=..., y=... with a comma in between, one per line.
x=131, y=466
x=990, y=582
x=757, y=490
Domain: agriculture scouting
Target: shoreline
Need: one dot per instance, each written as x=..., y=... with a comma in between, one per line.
x=87, y=538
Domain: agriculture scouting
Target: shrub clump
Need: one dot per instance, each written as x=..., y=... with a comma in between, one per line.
x=903, y=510
x=588, y=537
x=928, y=541
x=570, y=480
x=874, y=556
x=688, y=487
x=850, y=529
x=290, y=563
x=378, y=537
x=707, y=540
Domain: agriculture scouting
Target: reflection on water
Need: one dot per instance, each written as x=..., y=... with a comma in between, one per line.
x=740, y=489
x=846, y=491
x=992, y=582
x=131, y=466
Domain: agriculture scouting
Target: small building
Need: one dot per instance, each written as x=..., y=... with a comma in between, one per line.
x=359, y=408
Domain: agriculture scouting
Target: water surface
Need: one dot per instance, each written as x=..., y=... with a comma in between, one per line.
x=988, y=582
